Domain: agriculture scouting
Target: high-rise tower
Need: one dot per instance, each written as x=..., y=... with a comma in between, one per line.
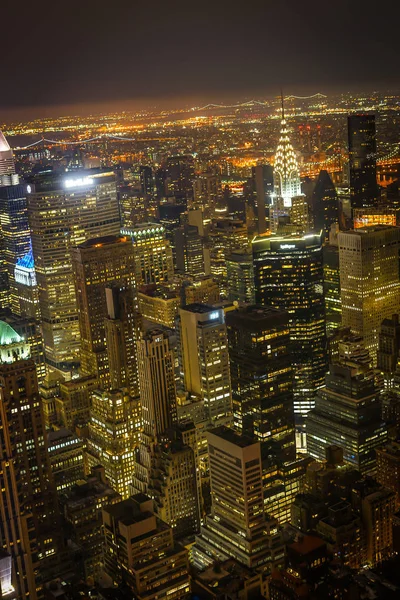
x=362, y=157
x=15, y=235
x=204, y=357
x=122, y=328
x=156, y=382
x=286, y=169
x=288, y=274
x=262, y=376
x=369, y=280
x=28, y=503
x=65, y=211
x=97, y=263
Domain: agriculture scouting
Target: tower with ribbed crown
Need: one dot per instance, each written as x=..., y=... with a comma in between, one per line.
x=286, y=168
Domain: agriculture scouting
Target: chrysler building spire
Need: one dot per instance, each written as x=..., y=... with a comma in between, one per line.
x=286, y=169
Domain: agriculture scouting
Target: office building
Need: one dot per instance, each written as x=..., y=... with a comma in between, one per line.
x=240, y=277
x=153, y=254
x=237, y=526
x=362, y=161
x=376, y=505
x=146, y=180
x=299, y=215
x=156, y=364
x=263, y=181
x=97, y=263
x=14, y=224
x=140, y=550
x=369, y=280
x=29, y=528
x=82, y=507
x=332, y=295
x=262, y=376
x=189, y=250
x=180, y=178
x=325, y=204
x=288, y=274
x=159, y=305
x=342, y=532
x=200, y=290
x=66, y=457
x=388, y=349
x=204, y=357
x=367, y=217
x=74, y=400
x=29, y=330
x=207, y=193
x=347, y=414
x=286, y=169
x=64, y=211
x=114, y=429
x=26, y=288
x=122, y=332
x=174, y=484
x=388, y=468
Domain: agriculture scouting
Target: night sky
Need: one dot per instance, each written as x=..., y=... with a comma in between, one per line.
x=69, y=52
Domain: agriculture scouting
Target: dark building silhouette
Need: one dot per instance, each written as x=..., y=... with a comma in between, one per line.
x=146, y=180
x=262, y=376
x=362, y=159
x=180, y=178
x=325, y=205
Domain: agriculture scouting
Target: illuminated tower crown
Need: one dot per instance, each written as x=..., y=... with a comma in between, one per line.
x=286, y=169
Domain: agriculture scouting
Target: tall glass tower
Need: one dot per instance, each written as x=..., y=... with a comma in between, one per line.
x=15, y=235
x=288, y=274
x=362, y=158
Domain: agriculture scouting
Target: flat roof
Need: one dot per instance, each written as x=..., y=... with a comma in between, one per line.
x=104, y=241
x=257, y=315
x=227, y=434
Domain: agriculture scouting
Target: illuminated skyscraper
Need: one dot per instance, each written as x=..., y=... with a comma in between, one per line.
x=156, y=382
x=13, y=221
x=286, y=169
x=240, y=277
x=362, y=156
x=333, y=302
x=65, y=211
x=288, y=274
x=97, y=263
x=114, y=429
x=204, y=357
x=262, y=376
x=140, y=551
x=26, y=287
x=347, y=414
x=28, y=503
x=369, y=280
x=189, y=250
x=153, y=254
x=237, y=526
x=122, y=329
